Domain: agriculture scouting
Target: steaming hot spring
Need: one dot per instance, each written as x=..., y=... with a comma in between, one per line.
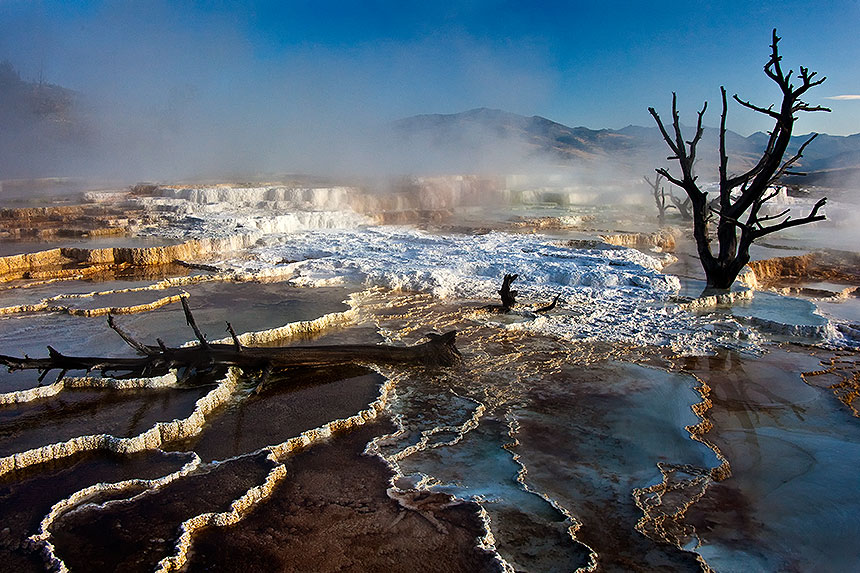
x=610, y=416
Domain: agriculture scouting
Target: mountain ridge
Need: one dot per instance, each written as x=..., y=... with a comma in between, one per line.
x=632, y=145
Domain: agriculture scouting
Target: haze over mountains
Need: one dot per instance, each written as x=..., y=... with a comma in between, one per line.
x=48, y=131
x=475, y=134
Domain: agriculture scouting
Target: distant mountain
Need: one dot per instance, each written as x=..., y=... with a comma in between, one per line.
x=473, y=137
x=491, y=140
x=537, y=135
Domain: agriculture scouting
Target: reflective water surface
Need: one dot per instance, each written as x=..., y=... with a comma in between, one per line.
x=545, y=450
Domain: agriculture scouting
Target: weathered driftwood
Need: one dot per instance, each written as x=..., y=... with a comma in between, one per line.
x=440, y=350
x=550, y=306
x=508, y=297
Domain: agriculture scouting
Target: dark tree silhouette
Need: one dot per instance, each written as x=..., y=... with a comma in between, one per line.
x=685, y=207
x=659, y=193
x=742, y=196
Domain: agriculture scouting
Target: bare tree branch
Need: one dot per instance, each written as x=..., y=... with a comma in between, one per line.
x=759, y=220
x=743, y=195
x=791, y=161
x=767, y=111
x=666, y=174
x=139, y=346
x=730, y=219
x=236, y=344
x=811, y=218
x=665, y=134
x=189, y=318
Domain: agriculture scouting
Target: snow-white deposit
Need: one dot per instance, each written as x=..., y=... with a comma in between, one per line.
x=310, y=237
x=611, y=294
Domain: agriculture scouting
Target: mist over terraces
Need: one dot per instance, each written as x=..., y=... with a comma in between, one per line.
x=47, y=130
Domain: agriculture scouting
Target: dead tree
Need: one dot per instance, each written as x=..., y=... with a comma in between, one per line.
x=742, y=196
x=205, y=356
x=685, y=207
x=659, y=194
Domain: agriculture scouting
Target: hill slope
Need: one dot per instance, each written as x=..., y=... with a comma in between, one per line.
x=476, y=136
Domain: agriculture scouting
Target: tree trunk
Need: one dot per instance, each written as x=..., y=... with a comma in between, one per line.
x=440, y=350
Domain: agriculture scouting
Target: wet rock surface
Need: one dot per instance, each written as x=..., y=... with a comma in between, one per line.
x=323, y=520
x=27, y=496
x=620, y=431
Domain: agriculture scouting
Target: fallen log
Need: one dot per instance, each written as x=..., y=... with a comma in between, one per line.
x=440, y=350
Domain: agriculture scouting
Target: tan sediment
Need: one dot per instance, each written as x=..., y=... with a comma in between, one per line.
x=846, y=370
x=146, y=256
x=664, y=505
x=698, y=431
x=64, y=221
x=20, y=264
x=305, y=439
x=663, y=239
x=55, y=261
x=540, y=223
x=49, y=304
x=487, y=541
x=768, y=271
x=294, y=330
x=277, y=453
x=711, y=301
x=164, y=301
x=151, y=439
x=819, y=266
x=45, y=306
x=178, y=429
x=238, y=509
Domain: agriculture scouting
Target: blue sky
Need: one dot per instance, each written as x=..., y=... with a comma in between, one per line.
x=307, y=64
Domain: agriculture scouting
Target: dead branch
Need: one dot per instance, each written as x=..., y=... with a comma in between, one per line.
x=684, y=207
x=236, y=343
x=659, y=194
x=139, y=346
x=189, y=319
x=550, y=306
x=508, y=296
x=789, y=222
x=440, y=350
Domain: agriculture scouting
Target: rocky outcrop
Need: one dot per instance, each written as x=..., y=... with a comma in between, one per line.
x=151, y=439
x=540, y=223
x=88, y=220
x=714, y=300
x=68, y=261
x=413, y=216
x=47, y=306
x=831, y=266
